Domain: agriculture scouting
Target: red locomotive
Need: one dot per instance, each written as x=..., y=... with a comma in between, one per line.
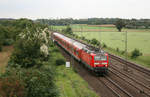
x=96, y=61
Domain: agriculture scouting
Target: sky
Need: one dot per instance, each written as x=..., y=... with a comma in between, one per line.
x=55, y=9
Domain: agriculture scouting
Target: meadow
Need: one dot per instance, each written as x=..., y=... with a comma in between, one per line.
x=139, y=40
x=136, y=38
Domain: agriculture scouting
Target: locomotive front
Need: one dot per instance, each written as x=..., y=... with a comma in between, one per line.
x=100, y=62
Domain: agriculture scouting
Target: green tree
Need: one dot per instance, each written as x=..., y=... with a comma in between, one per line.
x=120, y=24
x=31, y=48
x=94, y=41
x=135, y=53
x=0, y=47
x=68, y=30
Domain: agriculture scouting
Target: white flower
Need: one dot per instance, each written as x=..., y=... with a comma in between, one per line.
x=44, y=50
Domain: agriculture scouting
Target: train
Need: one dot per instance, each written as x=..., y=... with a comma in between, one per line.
x=94, y=60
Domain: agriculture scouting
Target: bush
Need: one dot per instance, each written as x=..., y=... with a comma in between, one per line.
x=83, y=38
x=0, y=47
x=98, y=43
x=122, y=52
x=40, y=82
x=31, y=48
x=76, y=36
x=60, y=61
x=94, y=41
x=135, y=53
x=117, y=50
x=8, y=42
x=26, y=54
x=33, y=82
x=12, y=86
x=55, y=50
x=104, y=45
x=68, y=30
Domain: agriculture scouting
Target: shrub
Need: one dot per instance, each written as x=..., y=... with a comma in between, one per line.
x=122, y=52
x=83, y=38
x=33, y=82
x=8, y=42
x=12, y=86
x=31, y=48
x=98, y=43
x=135, y=53
x=68, y=30
x=40, y=83
x=0, y=47
x=55, y=50
x=26, y=54
x=94, y=41
x=60, y=61
x=104, y=45
x=89, y=41
x=76, y=36
x=117, y=49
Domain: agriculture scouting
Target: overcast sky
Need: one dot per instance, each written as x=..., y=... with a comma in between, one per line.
x=34, y=9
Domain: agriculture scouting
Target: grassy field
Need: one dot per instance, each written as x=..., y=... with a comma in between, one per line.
x=4, y=57
x=137, y=38
x=99, y=28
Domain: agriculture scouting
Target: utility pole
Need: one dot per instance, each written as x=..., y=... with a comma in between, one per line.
x=100, y=39
x=82, y=31
x=126, y=51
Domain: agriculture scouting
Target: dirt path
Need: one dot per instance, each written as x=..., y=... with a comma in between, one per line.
x=4, y=57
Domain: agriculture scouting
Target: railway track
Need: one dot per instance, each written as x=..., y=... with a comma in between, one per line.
x=114, y=87
x=130, y=64
x=139, y=88
x=117, y=72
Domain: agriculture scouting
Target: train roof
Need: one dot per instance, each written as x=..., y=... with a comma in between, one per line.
x=74, y=42
x=79, y=45
x=64, y=37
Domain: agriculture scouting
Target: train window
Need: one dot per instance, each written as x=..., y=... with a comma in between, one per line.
x=100, y=58
x=104, y=58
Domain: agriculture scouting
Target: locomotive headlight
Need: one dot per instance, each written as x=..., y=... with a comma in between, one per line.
x=104, y=63
x=96, y=63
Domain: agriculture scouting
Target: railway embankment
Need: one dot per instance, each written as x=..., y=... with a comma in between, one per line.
x=69, y=83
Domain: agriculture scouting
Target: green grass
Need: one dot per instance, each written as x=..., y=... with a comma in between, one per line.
x=139, y=40
x=143, y=60
x=86, y=27
x=70, y=84
x=79, y=27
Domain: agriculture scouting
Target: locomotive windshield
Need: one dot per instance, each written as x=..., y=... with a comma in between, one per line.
x=103, y=58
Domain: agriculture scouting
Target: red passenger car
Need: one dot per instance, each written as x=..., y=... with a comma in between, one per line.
x=96, y=61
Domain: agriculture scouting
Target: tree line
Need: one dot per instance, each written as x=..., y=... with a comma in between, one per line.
x=130, y=23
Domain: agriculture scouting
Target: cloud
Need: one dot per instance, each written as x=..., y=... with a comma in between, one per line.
x=74, y=8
